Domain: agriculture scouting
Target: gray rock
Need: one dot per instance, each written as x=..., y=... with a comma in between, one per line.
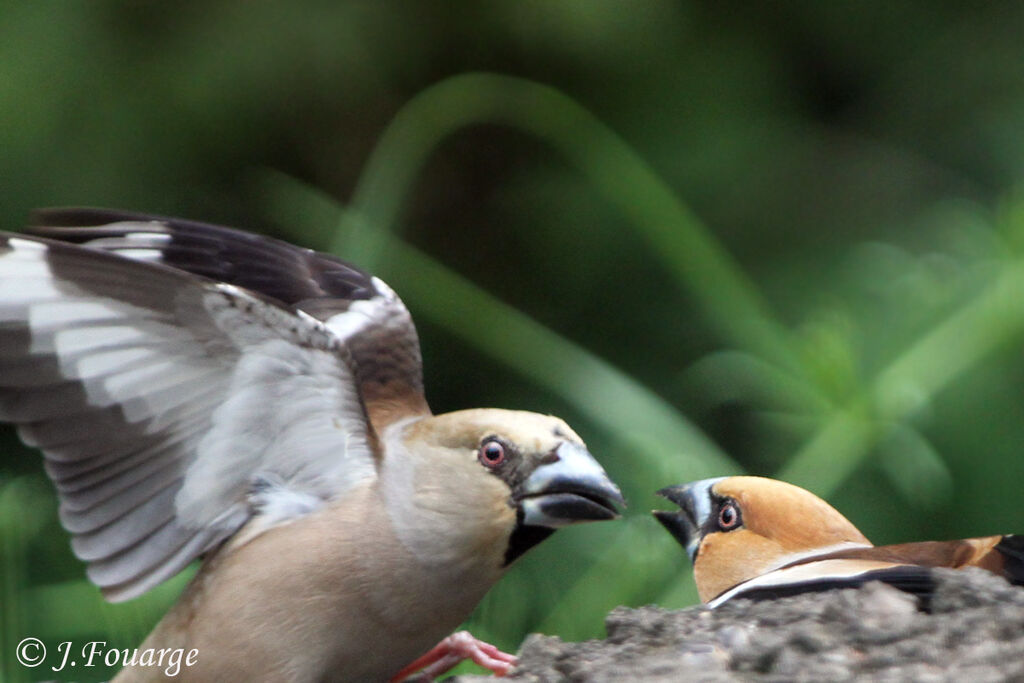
x=975, y=633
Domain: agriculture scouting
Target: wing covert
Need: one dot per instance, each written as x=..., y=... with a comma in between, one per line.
x=358, y=308
x=160, y=398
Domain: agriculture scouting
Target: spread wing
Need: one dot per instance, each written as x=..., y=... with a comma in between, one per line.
x=182, y=379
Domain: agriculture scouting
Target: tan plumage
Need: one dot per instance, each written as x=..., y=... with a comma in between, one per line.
x=757, y=537
x=412, y=569
x=272, y=422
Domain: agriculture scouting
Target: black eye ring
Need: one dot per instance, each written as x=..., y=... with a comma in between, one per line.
x=491, y=453
x=728, y=517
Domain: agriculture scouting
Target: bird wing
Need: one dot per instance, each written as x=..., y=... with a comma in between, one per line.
x=821, y=575
x=952, y=554
x=1003, y=555
x=1011, y=550
x=906, y=566
x=182, y=379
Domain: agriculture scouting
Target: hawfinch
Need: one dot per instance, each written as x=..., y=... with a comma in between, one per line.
x=759, y=538
x=202, y=392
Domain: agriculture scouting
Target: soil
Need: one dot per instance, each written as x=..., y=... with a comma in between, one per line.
x=974, y=632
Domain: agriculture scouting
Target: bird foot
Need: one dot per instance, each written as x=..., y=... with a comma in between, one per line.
x=452, y=650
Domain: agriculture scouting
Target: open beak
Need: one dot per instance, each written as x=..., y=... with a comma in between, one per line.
x=574, y=488
x=683, y=525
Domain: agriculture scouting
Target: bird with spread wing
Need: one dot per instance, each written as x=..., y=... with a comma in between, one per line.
x=203, y=392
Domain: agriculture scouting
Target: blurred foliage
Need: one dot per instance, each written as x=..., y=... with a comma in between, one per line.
x=786, y=239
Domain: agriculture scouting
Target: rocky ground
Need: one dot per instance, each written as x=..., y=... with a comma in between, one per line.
x=974, y=633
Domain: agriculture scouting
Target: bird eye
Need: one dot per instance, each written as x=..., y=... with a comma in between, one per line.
x=492, y=453
x=728, y=517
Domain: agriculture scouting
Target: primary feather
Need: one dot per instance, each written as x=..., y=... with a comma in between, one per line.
x=200, y=391
x=164, y=366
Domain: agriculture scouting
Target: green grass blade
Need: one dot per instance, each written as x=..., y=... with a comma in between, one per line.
x=673, y=448
x=676, y=236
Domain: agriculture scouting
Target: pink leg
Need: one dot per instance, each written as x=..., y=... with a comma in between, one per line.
x=452, y=650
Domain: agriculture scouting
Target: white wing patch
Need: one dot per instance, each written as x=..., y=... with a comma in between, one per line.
x=159, y=399
x=288, y=412
x=838, y=569
x=145, y=245
x=364, y=313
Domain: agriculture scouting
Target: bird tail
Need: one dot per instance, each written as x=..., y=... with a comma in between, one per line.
x=1012, y=550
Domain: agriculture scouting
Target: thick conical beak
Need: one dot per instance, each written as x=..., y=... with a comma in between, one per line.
x=685, y=525
x=574, y=488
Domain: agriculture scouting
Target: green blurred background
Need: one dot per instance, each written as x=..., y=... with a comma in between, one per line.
x=785, y=239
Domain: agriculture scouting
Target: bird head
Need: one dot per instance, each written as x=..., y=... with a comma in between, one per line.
x=504, y=480
x=737, y=528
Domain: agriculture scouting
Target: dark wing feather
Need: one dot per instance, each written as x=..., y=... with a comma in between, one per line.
x=360, y=309
x=160, y=398
x=918, y=581
x=276, y=269
x=1011, y=547
x=907, y=566
x=1003, y=555
x=817, y=574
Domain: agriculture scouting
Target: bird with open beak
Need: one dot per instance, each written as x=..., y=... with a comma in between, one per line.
x=202, y=392
x=759, y=538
